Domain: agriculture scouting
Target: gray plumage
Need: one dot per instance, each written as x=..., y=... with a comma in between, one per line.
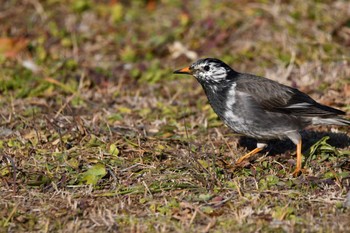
x=259, y=107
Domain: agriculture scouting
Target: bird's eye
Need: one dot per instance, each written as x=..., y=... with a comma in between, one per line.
x=206, y=68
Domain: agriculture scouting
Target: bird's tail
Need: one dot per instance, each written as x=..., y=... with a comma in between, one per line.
x=330, y=121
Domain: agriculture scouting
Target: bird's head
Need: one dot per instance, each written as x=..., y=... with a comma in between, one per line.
x=208, y=71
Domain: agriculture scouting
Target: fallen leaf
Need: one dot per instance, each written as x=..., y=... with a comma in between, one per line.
x=113, y=150
x=94, y=174
x=10, y=47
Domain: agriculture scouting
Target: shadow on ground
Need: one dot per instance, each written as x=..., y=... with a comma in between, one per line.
x=309, y=137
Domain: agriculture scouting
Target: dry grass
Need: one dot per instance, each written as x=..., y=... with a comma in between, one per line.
x=97, y=135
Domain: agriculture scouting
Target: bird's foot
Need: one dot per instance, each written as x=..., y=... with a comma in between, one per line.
x=242, y=163
x=248, y=155
x=298, y=171
x=241, y=160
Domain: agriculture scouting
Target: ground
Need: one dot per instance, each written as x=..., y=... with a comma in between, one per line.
x=98, y=135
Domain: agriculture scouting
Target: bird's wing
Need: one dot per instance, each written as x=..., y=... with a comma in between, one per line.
x=275, y=97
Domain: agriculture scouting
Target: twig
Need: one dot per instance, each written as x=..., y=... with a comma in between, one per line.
x=13, y=211
x=14, y=174
x=69, y=99
x=113, y=176
x=58, y=130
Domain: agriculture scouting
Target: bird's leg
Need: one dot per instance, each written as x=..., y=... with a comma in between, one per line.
x=298, y=168
x=260, y=147
x=250, y=154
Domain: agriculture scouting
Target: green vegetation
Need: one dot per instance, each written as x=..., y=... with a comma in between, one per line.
x=98, y=135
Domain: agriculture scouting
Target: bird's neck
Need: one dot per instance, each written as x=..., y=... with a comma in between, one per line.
x=217, y=95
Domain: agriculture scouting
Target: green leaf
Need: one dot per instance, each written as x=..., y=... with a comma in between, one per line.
x=81, y=5
x=204, y=163
x=205, y=197
x=73, y=162
x=113, y=150
x=282, y=213
x=323, y=149
x=4, y=171
x=207, y=209
x=94, y=174
x=117, y=12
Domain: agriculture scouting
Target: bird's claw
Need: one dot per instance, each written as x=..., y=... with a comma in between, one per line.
x=297, y=172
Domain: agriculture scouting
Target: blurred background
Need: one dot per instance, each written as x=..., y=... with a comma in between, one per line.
x=295, y=42
x=88, y=99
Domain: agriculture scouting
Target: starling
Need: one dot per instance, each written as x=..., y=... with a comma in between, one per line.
x=258, y=107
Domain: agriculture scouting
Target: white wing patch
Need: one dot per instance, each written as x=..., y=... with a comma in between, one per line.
x=327, y=121
x=299, y=105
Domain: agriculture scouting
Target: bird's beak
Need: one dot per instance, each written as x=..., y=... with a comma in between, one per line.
x=185, y=70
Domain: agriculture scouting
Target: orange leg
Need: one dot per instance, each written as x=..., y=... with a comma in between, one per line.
x=298, y=168
x=250, y=154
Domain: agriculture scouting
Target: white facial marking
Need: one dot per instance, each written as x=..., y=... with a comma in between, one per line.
x=214, y=74
x=214, y=88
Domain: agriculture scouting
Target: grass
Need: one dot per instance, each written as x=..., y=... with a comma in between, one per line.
x=97, y=135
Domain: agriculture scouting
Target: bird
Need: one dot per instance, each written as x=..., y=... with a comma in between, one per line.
x=258, y=107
